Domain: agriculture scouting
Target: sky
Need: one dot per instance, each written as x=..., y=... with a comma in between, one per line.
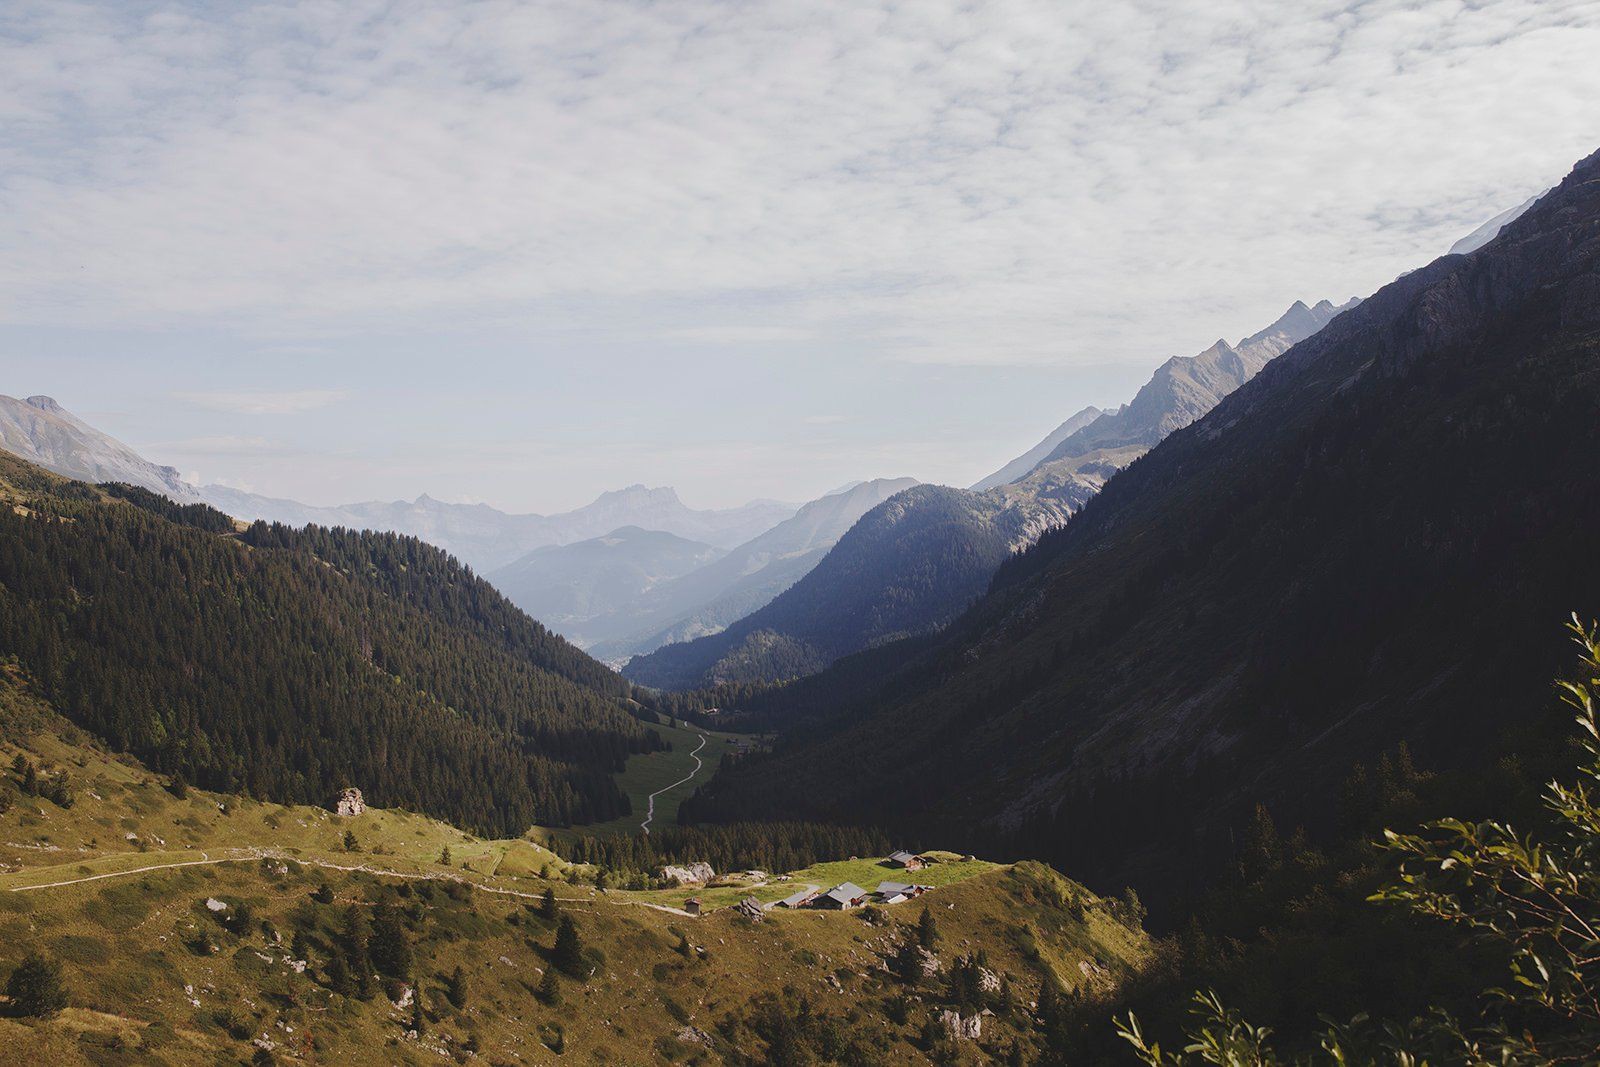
x=521, y=253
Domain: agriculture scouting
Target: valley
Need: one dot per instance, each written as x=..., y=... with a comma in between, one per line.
x=659, y=781
x=428, y=635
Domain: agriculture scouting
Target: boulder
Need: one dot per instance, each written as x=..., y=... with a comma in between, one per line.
x=690, y=874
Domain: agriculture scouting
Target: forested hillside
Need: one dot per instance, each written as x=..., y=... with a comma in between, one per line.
x=1375, y=541
x=289, y=664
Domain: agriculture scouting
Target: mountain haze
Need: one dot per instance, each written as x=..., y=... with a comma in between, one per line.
x=487, y=538
x=1030, y=459
x=709, y=598
x=914, y=563
x=567, y=586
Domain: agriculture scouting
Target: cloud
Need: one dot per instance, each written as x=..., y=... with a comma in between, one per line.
x=222, y=445
x=287, y=403
x=823, y=420
x=1017, y=182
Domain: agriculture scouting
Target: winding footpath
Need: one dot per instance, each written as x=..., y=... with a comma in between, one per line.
x=255, y=855
x=698, y=764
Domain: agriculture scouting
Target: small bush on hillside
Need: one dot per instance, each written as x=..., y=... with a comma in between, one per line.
x=36, y=987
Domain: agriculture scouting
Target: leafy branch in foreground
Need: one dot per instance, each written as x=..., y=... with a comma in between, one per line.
x=1539, y=900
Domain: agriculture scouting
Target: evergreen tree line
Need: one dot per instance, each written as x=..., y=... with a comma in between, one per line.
x=776, y=846
x=288, y=665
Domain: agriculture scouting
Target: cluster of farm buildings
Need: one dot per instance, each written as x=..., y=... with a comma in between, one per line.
x=848, y=895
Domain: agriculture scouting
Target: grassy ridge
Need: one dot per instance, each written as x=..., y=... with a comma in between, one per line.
x=146, y=988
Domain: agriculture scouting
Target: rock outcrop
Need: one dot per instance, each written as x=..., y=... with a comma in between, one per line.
x=961, y=1029
x=689, y=874
x=350, y=803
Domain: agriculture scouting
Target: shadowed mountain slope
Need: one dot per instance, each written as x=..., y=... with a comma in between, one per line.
x=1373, y=541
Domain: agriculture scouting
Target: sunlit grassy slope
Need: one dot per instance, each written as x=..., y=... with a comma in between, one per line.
x=145, y=989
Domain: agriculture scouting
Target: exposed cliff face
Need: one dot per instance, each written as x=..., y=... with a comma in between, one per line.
x=41, y=431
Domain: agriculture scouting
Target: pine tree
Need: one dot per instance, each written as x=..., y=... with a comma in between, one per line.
x=568, y=951
x=36, y=986
x=444, y=856
x=338, y=974
x=549, y=988
x=455, y=988
x=908, y=963
x=353, y=946
x=548, y=906
x=388, y=945
x=1049, y=1007
x=927, y=929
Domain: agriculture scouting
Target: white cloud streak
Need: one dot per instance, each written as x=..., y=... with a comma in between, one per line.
x=1013, y=182
x=266, y=403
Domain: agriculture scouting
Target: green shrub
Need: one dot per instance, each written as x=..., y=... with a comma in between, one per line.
x=36, y=986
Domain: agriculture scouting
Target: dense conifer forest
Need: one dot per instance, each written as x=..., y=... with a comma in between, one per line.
x=288, y=665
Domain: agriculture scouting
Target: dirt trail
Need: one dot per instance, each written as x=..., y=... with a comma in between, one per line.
x=252, y=855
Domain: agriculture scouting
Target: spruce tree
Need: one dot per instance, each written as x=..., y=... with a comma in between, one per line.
x=568, y=952
x=927, y=929
x=353, y=946
x=549, y=988
x=548, y=906
x=338, y=974
x=455, y=988
x=388, y=945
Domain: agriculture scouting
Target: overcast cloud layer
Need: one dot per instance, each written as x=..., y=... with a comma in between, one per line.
x=525, y=252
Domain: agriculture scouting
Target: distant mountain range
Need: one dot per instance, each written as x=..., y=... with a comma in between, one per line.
x=917, y=561
x=568, y=587
x=487, y=538
x=633, y=570
x=1375, y=540
x=41, y=431
x=707, y=598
